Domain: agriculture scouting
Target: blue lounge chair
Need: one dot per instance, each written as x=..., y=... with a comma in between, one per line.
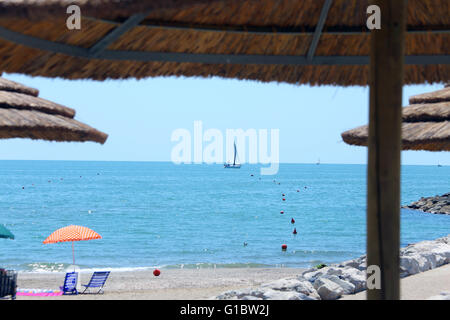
x=70, y=283
x=98, y=280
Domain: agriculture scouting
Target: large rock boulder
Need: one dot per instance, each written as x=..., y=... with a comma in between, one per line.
x=346, y=286
x=301, y=286
x=355, y=277
x=285, y=295
x=327, y=289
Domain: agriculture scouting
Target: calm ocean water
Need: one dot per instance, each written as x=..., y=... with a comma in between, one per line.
x=160, y=214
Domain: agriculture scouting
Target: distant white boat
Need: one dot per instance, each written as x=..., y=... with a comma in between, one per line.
x=234, y=165
x=318, y=162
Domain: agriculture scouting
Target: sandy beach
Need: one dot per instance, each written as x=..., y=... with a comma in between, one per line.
x=172, y=284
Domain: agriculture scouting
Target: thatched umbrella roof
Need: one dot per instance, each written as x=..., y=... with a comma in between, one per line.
x=8, y=85
x=426, y=124
x=24, y=115
x=302, y=41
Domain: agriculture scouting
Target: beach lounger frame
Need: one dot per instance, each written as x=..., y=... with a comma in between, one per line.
x=70, y=283
x=98, y=280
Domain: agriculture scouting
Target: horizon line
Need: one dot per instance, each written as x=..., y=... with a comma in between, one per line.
x=204, y=163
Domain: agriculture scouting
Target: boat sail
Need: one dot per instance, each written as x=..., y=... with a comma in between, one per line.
x=234, y=165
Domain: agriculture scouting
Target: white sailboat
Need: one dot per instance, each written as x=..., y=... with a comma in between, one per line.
x=234, y=165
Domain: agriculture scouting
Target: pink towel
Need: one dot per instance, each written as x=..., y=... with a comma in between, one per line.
x=39, y=293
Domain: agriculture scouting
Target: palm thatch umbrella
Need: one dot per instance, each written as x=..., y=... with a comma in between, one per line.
x=302, y=42
x=24, y=115
x=426, y=123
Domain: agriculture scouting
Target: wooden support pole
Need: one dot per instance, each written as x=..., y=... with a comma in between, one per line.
x=383, y=177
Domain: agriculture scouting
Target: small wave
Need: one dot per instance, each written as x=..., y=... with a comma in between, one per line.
x=43, y=267
x=61, y=267
x=217, y=265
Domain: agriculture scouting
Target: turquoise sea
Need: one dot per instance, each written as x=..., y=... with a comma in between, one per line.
x=192, y=216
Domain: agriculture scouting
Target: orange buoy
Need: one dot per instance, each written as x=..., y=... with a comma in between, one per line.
x=292, y=221
x=295, y=231
x=284, y=247
x=156, y=272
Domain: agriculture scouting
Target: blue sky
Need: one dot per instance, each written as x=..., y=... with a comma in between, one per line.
x=140, y=116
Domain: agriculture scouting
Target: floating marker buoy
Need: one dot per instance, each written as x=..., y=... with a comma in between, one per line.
x=23, y=188
x=295, y=231
x=284, y=247
x=282, y=212
x=251, y=175
x=298, y=190
x=156, y=272
x=292, y=221
x=284, y=199
x=283, y=194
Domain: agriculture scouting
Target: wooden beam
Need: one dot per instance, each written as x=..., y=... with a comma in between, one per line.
x=116, y=33
x=272, y=30
x=318, y=30
x=383, y=177
x=180, y=57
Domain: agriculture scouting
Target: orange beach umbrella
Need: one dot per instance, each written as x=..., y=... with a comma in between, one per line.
x=72, y=233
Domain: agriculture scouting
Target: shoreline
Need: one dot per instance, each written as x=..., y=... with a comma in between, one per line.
x=172, y=284
x=331, y=282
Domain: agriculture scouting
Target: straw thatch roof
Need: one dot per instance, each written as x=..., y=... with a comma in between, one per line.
x=294, y=41
x=426, y=125
x=24, y=115
x=8, y=85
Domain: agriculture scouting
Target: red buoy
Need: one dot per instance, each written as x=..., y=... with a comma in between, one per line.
x=282, y=212
x=156, y=272
x=295, y=231
x=284, y=199
x=284, y=247
x=292, y=221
